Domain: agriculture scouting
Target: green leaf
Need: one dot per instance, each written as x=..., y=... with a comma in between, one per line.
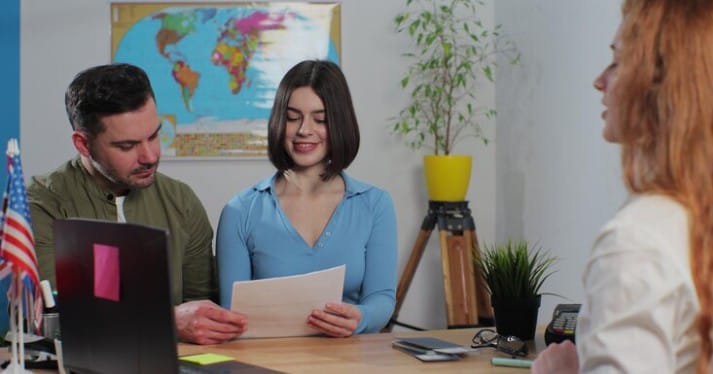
x=413, y=26
x=400, y=18
x=488, y=73
x=447, y=49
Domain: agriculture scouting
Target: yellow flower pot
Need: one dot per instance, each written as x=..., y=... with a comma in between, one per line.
x=447, y=177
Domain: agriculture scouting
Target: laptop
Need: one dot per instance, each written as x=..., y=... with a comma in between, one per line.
x=114, y=298
x=114, y=301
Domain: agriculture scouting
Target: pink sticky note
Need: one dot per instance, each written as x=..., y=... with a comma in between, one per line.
x=106, y=272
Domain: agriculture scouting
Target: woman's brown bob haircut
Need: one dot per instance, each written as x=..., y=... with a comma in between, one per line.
x=327, y=81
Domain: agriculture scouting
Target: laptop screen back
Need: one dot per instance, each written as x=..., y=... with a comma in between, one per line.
x=114, y=297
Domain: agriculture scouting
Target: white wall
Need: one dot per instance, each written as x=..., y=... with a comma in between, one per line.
x=557, y=180
x=60, y=38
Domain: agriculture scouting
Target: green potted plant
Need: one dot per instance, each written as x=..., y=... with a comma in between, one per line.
x=453, y=55
x=514, y=273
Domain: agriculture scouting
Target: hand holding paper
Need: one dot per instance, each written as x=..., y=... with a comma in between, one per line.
x=280, y=307
x=204, y=322
x=336, y=319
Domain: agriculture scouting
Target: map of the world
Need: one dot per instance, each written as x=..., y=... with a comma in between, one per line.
x=215, y=68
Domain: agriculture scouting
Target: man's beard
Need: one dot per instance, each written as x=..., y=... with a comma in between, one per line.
x=116, y=182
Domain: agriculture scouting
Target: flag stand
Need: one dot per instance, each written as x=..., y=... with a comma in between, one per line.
x=18, y=260
x=17, y=360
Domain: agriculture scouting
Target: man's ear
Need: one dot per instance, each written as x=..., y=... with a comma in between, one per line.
x=81, y=142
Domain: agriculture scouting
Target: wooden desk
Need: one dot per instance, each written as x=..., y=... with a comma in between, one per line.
x=370, y=353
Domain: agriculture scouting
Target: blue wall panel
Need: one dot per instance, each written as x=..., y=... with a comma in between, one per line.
x=9, y=74
x=9, y=104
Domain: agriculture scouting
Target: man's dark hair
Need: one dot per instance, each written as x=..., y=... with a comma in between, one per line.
x=105, y=90
x=327, y=81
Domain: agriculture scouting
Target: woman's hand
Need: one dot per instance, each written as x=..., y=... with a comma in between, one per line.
x=338, y=320
x=557, y=359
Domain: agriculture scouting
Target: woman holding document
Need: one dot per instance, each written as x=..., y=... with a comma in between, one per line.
x=310, y=215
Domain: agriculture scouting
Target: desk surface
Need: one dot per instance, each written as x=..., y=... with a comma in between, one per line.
x=369, y=353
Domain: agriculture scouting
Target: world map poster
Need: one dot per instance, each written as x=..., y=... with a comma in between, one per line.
x=215, y=67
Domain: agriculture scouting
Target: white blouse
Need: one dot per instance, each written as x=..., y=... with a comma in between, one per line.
x=640, y=303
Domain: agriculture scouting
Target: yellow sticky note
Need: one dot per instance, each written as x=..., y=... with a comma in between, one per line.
x=206, y=358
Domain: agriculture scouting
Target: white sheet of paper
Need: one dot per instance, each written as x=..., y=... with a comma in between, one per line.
x=279, y=307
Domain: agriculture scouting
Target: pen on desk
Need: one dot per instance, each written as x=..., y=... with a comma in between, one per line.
x=513, y=362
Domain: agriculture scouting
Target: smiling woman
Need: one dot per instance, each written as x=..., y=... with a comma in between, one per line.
x=310, y=215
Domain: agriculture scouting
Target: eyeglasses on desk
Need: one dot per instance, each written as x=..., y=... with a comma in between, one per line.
x=489, y=338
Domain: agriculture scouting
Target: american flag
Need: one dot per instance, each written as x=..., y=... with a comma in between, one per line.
x=17, y=249
x=5, y=267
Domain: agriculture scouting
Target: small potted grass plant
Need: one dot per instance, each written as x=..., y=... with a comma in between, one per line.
x=514, y=273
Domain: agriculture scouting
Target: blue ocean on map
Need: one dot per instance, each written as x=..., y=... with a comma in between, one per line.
x=212, y=100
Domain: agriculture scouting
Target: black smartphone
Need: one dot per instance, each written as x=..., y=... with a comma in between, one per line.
x=563, y=325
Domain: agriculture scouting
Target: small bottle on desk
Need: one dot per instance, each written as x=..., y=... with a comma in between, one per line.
x=50, y=316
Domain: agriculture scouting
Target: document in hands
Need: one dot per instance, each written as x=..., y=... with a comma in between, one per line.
x=279, y=307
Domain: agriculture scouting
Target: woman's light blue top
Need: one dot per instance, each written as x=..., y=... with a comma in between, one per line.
x=255, y=240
